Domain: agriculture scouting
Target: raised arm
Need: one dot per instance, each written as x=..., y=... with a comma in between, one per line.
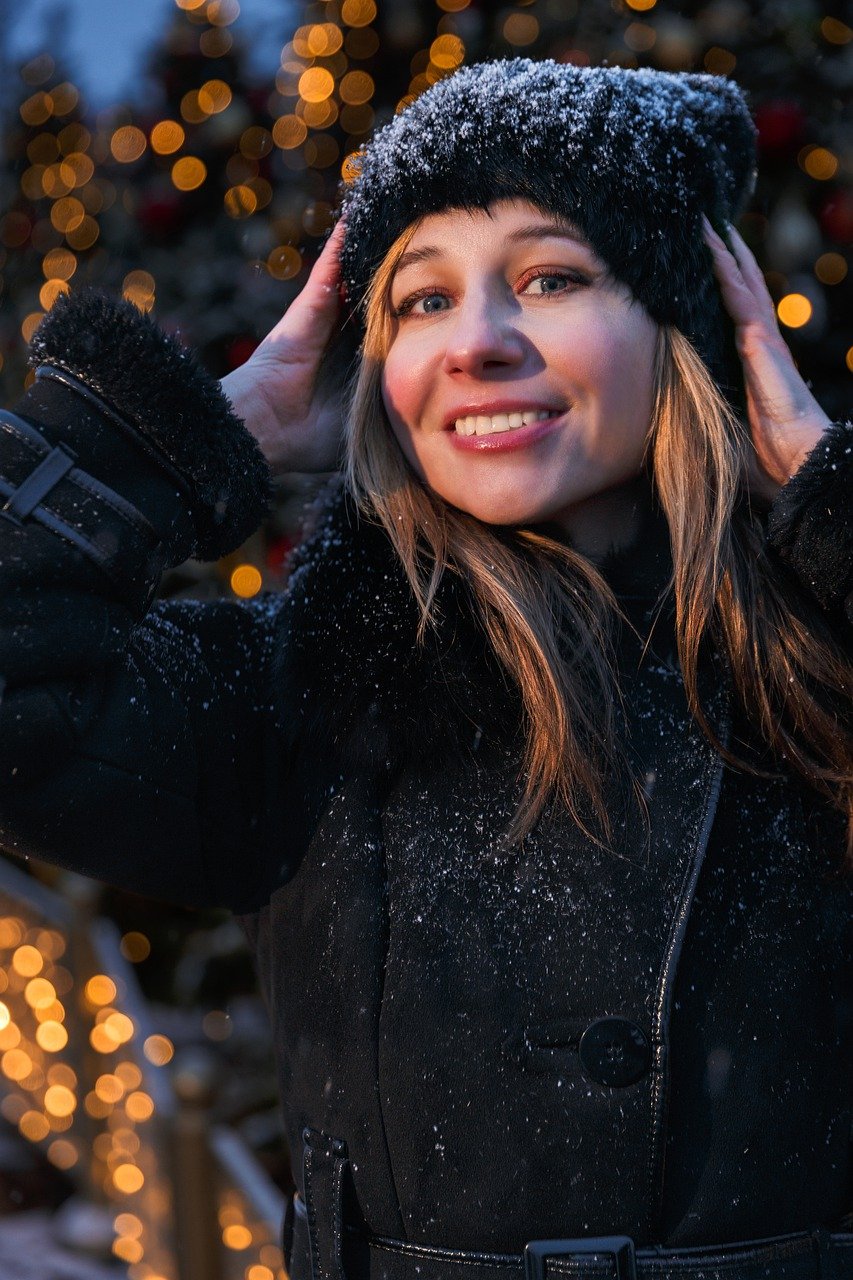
x=135, y=740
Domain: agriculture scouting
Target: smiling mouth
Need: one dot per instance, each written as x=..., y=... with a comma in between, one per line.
x=490, y=424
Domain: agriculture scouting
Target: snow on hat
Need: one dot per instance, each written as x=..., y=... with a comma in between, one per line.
x=632, y=156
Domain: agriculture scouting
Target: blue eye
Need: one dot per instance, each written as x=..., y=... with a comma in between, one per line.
x=548, y=278
x=430, y=299
x=427, y=297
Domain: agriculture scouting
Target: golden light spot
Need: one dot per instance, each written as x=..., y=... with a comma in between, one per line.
x=820, y=163
x=158, y=1050
x=34, y=1125
x=318, y=115
x=240, y=201
x=447, y=52
x=641, y=6
x=188, y=173
x=128, y=1250
x=356, y=87
x=521, y=28
x=5, y=1016
x=51, y=1036
x=127, y=1224
x=246, y=581
x=191, y=110
x=100, y=990
x=189, y=5
x=128, y=143
x=259, y=1272
x=215, y=42
x=639, y=36
x=358, y=13
x=59, y=1100
x=221, y=13
x=794, y=310
x=271, y=1256
x=135, y=947
x=138, y=288
x=38, y=69
x=62, y=1154
x=67, y=214
x=119, y=1026
x=33, y=181
x=167, y=136
x=256, y=142
x=453, y=6
x=129, y=1074
x=109, y=1088
x=37, y=109
x=719, y=62
x=74, y=137
x=284, y=262
x=217, y=1025
x=101, y=1040
x=11, y=931
x=65, y=98
x=59, y=264
x=16, y=1064
x=61, y=1073
x=848, y=359
x=30, y=323
x=316, y=84
x=324, y=39
x=39, y=993
x=139, y=1106
x=80, y=166
x=214, y=96
x=84, y=234
x=289, y=132
x=27, y=961
x=351, y=167
x=237, y=1237
x=835, y=31
x=97, y=1108
x=831, y=268
x=128, y=1178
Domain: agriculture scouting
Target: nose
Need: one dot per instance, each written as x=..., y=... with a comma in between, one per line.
x=483, y=337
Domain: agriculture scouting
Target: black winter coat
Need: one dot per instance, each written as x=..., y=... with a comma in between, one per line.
x=552, y=1042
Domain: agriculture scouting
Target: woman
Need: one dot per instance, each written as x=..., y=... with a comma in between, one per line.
x=532, y=791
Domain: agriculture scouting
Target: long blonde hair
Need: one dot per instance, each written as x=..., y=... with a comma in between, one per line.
x=529, y=590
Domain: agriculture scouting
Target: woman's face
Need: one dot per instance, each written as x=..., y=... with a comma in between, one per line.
x=507, y=317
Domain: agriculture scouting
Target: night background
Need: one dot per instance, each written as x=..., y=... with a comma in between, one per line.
x=188, y=155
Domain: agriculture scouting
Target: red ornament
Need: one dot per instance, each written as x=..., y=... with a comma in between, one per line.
x=836, y=216
x=239, y=350
x=781, y=124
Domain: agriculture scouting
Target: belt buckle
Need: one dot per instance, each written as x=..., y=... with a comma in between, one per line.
x=621, y=1247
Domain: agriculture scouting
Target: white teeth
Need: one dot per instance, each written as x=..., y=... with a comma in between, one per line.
x=484, y=425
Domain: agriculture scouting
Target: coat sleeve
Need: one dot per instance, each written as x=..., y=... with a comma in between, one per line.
x=136, y=744
x=810, y=524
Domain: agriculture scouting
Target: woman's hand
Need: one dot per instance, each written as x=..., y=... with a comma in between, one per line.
x=785, y=420
x=296, y=420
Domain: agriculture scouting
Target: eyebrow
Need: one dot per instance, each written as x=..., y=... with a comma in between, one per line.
x=523, y=234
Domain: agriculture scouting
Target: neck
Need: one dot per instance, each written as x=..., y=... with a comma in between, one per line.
x=624, y=532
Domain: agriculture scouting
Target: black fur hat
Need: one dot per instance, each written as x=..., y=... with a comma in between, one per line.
x=633, y=157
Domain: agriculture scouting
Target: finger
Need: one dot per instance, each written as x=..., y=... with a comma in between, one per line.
x=751, y=272
x=746, y=301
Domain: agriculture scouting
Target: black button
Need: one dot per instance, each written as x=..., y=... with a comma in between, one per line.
x=614, y=1051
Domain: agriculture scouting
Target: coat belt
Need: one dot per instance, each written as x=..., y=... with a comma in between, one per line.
x=320, y=1245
